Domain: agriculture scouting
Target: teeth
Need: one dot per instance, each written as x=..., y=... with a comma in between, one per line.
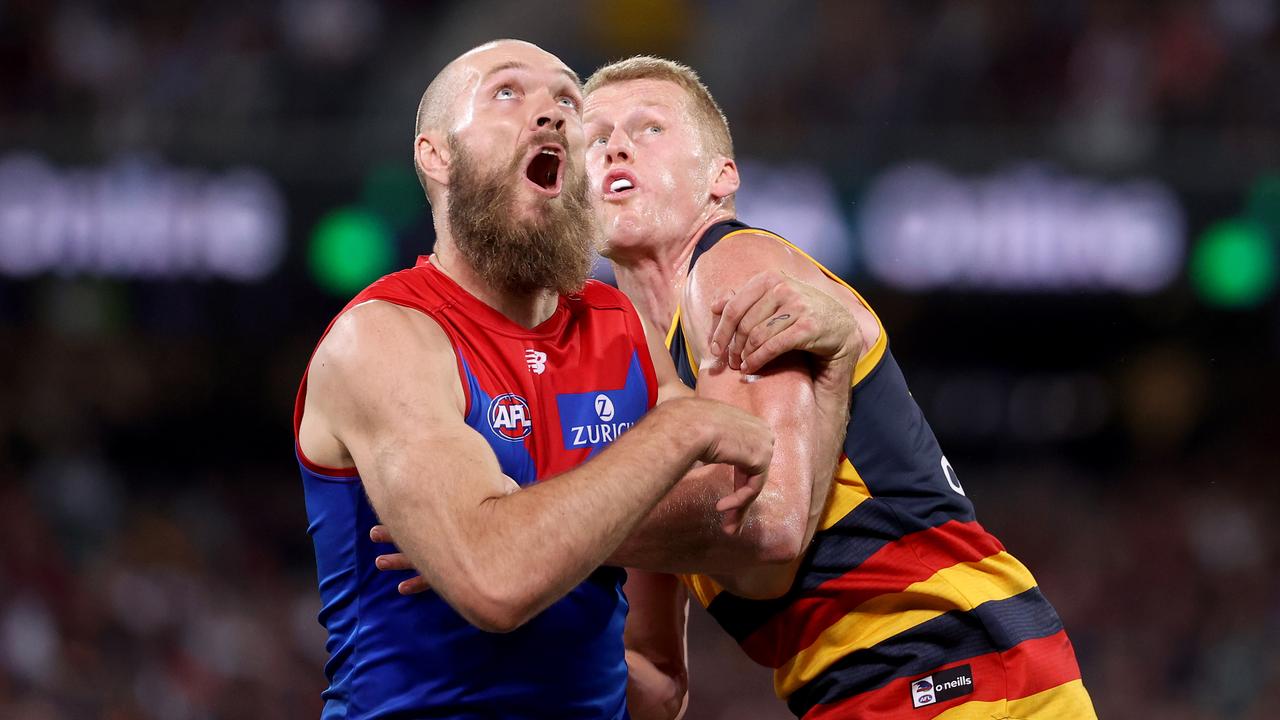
x=549, y=152
x=620, y=184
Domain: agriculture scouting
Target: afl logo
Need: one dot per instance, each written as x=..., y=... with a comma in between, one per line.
x=604, y=408
x=509, y=417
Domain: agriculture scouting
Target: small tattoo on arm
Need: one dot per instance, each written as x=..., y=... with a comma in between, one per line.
x=783, y=316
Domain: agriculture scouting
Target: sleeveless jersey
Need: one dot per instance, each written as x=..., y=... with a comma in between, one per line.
x=545, y=399
x=901, y=592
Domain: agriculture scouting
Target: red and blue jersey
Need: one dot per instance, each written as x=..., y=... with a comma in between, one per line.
x=545, y=399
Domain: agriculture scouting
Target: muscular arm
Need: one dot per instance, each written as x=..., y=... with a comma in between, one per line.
x=384, y=389
x=808, y=411
x=683, y=532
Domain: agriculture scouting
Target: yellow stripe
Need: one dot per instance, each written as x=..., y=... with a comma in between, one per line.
x=847, y=492
x=703, y=588
x=688, y=348
x=1068, y=701
x=671, y=331
x=872, y=357
x=960, y=587
x=677, y=324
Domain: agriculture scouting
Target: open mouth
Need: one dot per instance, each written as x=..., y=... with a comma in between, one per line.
x=544, y=170
x=618, y=183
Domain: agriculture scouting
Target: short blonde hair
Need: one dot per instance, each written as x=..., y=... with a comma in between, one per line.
x=706, y=111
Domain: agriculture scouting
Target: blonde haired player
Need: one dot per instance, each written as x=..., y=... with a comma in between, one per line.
x=897, y=604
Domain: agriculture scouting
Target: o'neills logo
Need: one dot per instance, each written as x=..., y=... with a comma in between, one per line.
x=601, y=433
x=941, y=686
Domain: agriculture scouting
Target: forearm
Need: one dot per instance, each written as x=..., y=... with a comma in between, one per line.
x=682, y=533
x=832, y=400
x=540, y=542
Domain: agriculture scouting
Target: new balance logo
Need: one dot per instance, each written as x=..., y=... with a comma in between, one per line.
x=537, y=361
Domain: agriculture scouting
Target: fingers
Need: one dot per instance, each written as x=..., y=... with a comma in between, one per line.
x=734, y=506
x=738, y=438
x=795, y=335
x=755, y=322
x=733, y=307
x=393, y=561
x=413, y=586
x=731, y=522
x=765, y=333
x=400, y=561
x=380, y=534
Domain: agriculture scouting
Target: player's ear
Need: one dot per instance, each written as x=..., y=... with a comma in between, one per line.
x=431, y=155
x=725, y=182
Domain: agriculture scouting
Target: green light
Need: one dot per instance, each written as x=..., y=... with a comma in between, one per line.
x=1234, y=264
x=350, y=248
x=392, y=190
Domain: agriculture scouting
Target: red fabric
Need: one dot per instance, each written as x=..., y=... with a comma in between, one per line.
x=1026, y=669
x=594, y=332
x=891, y=569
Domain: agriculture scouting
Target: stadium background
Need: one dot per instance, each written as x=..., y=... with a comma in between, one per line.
x=1067, y=213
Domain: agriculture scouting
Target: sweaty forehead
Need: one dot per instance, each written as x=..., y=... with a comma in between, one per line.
x=627, y=95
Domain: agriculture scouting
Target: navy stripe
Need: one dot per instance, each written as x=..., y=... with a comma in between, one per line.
x=835, y=552
x=895, y=451
x=994, y=626
x=708, y=240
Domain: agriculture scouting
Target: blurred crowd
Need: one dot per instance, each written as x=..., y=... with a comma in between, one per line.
x=328, y=85
x=153, y=555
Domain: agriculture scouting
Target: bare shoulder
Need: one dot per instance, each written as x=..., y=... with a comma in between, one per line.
x=734, y=260
x=377, y=346
x=739, y=258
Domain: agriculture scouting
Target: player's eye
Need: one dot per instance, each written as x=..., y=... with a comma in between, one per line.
x=653, y=129
x=504, y=93
x=568, y=102
x=599, y=140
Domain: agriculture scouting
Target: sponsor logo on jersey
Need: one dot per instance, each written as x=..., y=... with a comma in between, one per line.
x=509, y=417
x=595, y=419
x=941, y=686
x=537, y=361
x=604, y=408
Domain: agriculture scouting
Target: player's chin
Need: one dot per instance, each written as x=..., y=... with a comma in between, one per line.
x=533, y=207
x=624, y=231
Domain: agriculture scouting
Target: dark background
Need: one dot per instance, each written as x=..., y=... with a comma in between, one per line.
x=1066, y=213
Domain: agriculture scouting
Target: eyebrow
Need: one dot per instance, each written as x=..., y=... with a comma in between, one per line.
x=517, y=65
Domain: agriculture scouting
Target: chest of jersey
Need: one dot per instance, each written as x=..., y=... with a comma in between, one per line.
x=547, y=404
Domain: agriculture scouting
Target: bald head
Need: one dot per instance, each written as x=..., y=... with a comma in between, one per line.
x=445, y=98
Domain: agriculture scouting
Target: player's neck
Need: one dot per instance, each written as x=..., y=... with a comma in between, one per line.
x=653, y=285
x=655, y=280
x=528, y=310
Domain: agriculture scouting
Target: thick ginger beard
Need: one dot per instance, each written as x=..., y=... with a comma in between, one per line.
x=554, y=250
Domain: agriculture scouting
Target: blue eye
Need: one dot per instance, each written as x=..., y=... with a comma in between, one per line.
x=568, y=102
x=654, y=129
x=600, y=140
x=505, y=93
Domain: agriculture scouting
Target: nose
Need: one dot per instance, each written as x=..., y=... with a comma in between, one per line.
x=619, y=146
x=549, y=120
x=551, y=116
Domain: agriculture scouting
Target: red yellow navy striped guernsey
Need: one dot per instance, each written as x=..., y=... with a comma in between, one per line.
x=904, y=606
